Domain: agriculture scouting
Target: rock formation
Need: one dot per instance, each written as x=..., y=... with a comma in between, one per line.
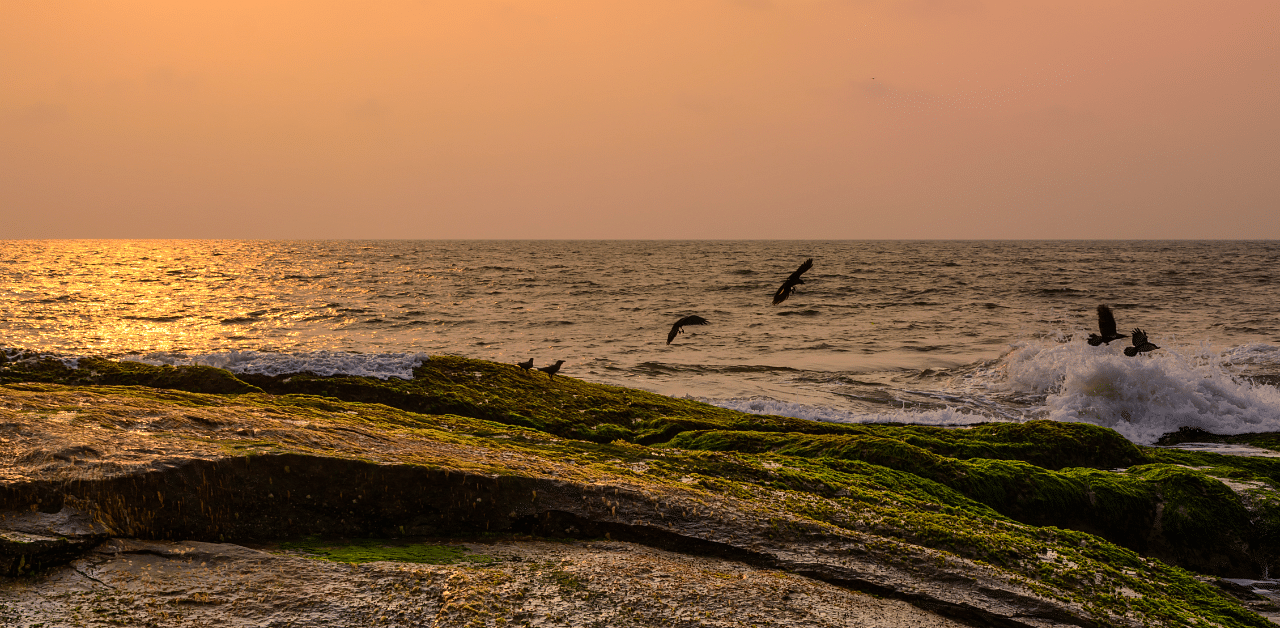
x=1003, y=524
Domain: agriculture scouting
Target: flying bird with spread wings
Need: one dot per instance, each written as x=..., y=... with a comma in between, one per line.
x=790, y=284
x=1140, y=344
x=1106, y=325
x=678, y=328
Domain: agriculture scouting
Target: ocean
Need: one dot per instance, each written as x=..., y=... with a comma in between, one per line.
x=925, y=332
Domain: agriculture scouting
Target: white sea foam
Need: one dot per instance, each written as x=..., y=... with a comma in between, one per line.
x=12, y=354
x=945, y=416
x=1256, y=353
x=325, y=363
x=1145, y=396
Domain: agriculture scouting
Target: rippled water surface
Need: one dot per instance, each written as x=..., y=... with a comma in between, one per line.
x=943, y=332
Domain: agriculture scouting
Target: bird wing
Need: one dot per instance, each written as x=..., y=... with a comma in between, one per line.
x=692, y=319
x=791, y=282
x=795, y=277
x=1139, y=337
x=782, y=293
x=1106, y=322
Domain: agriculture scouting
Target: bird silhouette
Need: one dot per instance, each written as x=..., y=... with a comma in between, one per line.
x=1140, y=344
x=1106, y=325
x=526, y=365
x=551, y=370
x=678, y=328
x=790, y=284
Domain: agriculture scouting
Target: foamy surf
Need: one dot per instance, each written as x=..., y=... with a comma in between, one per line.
x=1142, y=397
x=1146, y=396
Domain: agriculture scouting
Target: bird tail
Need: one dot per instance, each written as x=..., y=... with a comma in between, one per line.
x=1095, y=340
x=1131, y=351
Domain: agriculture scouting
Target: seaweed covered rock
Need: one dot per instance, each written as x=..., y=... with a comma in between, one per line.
x=563, y=406
x=958, y=521
x=99, y=372
x=1176, y=514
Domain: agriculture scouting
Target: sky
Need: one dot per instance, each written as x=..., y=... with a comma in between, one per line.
x=662, y=119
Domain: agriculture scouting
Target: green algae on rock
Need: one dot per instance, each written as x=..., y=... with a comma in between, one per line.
x=100, y=372
x=356, y=551
x=977, y=522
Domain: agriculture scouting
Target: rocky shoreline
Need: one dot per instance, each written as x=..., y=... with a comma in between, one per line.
x=110, y=465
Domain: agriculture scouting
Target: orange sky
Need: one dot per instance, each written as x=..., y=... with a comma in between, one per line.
x=640, y=119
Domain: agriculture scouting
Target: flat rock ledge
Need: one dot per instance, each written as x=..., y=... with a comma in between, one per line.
x=528, y=583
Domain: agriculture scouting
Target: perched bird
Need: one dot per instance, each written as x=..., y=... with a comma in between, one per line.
x=790, y=284
x=551, y=370
x=1140, y=344
x=678, y=328
x=526, y=365
x=1106, y=325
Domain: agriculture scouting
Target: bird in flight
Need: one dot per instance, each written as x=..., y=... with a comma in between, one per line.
x=790, y=284
x=1106, y=325
x=526, y=365
x=551, y=370
x=678, y=328
x=1140, y=344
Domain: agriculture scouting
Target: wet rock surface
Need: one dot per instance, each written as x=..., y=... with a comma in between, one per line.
x=146, y=474
x=574, y=583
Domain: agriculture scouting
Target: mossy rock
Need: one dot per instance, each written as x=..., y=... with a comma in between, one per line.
x=1046, y=444
x=1041, y=473
x=357, y=551
x=1169, y=511
x=100, y=372
x=1262, y=440
x=880, y=493
x=1202, y=522
x=563, y=406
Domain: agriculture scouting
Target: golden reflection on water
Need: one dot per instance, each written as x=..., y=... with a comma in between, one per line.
x=125, y=296
x=870, y=305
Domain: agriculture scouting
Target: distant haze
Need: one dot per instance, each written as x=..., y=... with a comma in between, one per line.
x=823, y=119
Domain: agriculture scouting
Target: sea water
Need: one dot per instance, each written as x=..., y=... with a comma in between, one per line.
x=931, y=332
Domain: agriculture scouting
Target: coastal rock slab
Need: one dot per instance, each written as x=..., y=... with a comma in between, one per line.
x=138, y=583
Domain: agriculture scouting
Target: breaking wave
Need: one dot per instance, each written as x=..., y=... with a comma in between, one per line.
x=1146, y=396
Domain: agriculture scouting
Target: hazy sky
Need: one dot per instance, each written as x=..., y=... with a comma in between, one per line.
x=640, y=119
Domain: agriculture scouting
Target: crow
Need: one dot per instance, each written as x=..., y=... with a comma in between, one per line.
x=678, y=328
x=551, y=370
x=790, y=284
x=526, y=365
x=1106, y=325
x=1140, y=344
